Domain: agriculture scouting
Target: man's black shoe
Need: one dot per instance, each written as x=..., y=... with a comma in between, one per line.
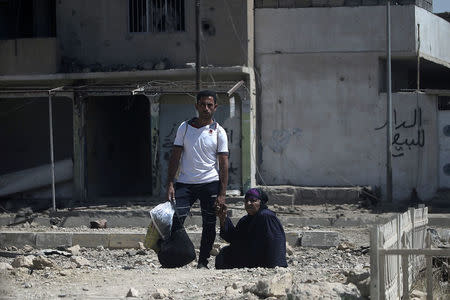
x=202, y=266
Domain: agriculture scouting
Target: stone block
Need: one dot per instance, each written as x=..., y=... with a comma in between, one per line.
x=91, y=240
x=319, y=239
x=281, y=199
x=125, y=240
x=292, y=238
x=17, y=239
x=53, y=239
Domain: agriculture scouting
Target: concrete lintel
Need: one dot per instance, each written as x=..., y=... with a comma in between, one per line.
x=128, y=75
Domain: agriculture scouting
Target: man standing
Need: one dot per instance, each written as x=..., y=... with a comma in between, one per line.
x=202, y=146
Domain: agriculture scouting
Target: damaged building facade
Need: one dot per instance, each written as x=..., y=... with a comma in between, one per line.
x=323, y=101
x=120, y=76
x=311, y=112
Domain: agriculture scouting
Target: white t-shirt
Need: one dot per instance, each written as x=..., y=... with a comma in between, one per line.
x=199, y=163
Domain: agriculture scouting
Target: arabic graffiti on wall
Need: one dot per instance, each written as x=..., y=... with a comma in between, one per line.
x=407, y=134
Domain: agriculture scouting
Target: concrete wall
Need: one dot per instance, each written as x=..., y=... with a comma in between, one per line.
x=29, y=56
x=97, y=32
x=320, y=104
x=434, y=37
x=338, y=29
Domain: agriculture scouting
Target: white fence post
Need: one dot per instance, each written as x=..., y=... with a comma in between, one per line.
x=429, y=271
x=374, y=263
x=405, y=272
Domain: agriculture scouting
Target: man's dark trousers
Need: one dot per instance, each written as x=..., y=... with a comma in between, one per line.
x=185, y=196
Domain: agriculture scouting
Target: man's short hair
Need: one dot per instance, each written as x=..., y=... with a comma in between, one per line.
x=206, y=94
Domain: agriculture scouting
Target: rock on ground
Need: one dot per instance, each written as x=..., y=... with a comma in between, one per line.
x=23, y=262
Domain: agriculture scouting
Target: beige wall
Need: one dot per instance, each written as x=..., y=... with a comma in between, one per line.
x=28, y=56
x=97, y=32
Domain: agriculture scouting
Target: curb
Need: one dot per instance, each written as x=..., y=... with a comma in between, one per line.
x=44, y=240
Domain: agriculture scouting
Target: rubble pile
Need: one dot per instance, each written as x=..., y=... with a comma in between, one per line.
x=136, y=273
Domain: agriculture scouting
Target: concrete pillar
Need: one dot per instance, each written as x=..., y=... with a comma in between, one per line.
x=154, y=140
x=79, y=147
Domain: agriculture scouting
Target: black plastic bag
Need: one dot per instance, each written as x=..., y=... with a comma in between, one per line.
x=176, y=251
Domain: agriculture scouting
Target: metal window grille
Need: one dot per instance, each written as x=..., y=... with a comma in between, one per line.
x=166, y=15
x=138, y=16
x=156, y=15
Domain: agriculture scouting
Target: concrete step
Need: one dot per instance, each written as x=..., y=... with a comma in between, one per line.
x=141, y=218
x=300, y=195
x=112, y=240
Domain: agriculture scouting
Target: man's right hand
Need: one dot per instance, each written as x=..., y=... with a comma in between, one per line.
x=170, y=192
x=222, y=213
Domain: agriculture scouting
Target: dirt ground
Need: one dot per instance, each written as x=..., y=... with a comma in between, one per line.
x=113, y=274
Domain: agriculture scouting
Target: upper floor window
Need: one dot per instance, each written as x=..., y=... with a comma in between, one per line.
x=27, y=19
x=156, y=15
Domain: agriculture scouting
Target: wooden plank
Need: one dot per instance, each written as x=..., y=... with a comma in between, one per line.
x=405, y=270
x=374, y=277
x=382, y=265
x=427, y=252
x=429, y=270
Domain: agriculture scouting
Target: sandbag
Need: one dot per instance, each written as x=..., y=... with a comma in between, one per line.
x=177, y=251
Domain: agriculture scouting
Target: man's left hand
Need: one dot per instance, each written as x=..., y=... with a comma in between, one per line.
x=220, y=200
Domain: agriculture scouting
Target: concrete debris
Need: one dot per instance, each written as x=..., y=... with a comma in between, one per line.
x=5, y=266
x=215, y=249
x=141, y=245
x=27, y=248
x=289, y=249
x=231, y=292
x=326, y=290
x=277, y=286
x=162, y=65
x=345, y=245
x=360, y=278
x=41, y=262
x=27, y=285
x=23, y=262
x=57, y=252
x=80, y=261
x=319, y=239
x=160, y=293
x=98, y=224
x=24, y=212
x=132, y=292
x=418, y=295
x=74, y=250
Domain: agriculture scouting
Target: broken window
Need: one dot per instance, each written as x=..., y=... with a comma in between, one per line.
x=156, y=15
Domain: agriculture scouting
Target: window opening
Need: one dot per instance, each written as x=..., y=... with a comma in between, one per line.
x=156, y=15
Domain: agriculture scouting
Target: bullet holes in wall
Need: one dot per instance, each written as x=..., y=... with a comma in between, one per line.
x=208, y=27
